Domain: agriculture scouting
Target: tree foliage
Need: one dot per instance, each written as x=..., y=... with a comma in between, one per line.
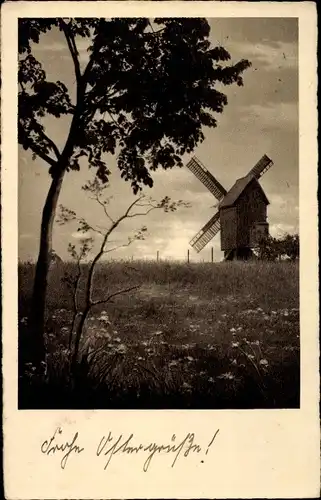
x=284, y=248
x=148, y=90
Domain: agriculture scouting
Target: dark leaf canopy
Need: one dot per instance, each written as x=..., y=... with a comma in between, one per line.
x=149, y=89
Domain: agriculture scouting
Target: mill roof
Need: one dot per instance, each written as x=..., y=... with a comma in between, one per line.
x=237, y=189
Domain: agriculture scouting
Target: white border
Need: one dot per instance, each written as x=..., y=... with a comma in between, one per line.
x=270, y=454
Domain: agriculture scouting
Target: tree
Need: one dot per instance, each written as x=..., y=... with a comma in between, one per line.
x=140, y=207
x=286, y=247
x=147, y=91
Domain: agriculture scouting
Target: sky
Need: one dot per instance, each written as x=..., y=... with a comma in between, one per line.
x=261, y=118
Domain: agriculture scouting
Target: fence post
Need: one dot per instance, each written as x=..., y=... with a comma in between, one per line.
x=188, y=256
x=212, y=255
x=157, y=256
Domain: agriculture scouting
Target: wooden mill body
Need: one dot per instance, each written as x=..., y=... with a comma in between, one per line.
x=243, y=215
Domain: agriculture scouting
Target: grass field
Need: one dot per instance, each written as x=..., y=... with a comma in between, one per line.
x=220, y=335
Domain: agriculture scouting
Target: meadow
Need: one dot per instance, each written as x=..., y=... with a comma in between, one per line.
x=216, y=336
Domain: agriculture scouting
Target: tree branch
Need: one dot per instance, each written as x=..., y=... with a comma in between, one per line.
x=72, y=48
x=51, y=144
x=104, y=208
x=125, y=290
x=142, y=213
x=38, y=151
x=119, y=246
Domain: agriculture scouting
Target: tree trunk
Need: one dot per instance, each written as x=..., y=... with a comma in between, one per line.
x=37, y=313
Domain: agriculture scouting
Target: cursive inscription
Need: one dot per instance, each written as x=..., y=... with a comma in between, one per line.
x=53, y=446
x=109, y=446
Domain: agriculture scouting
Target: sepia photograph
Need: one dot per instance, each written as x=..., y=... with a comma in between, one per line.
x=158, y=213
x=159, y=250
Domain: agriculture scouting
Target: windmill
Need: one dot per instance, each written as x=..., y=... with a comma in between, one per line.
x=242, y=211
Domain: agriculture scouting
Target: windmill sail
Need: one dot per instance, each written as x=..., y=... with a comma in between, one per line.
x=261, y=167
x=196, y=167
x=206, y=233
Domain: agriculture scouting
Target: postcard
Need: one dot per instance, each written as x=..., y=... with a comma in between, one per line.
x=159, y=250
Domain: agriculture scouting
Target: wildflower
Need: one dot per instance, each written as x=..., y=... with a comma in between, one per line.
x=223, y=315
x=273, y=312
x=239, y=328
x=232, y=329
x=173, y=363
x=235, y=344
x=259, y=309
x=266, y=317
x=190, y=358
x=210, y=379
x=226, y=376
x=234, y=362
x=255, y=342
x=250, y=356
x=117, y=339
x=121, y=349
x=104, y=318
x=187, y=386
x=159, y=332
x=264, y=362
x=285, y=313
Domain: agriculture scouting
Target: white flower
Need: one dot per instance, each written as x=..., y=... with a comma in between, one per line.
x=121, y=349
x=210, y=379
x=234, y=362
x=159, y=332
x=264, y=362
x=104, y=318
x=226, y=376
x=173, y=363
x=190, y=358
x=239, y=328
x=117, y=339
x=273, y=312
x=187, y=386
x=232, y=329
x=235, y=344
x=250, y=356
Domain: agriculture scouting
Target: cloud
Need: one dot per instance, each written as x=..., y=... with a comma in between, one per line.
x=59, y=48
x=280, y=229
x=270, y=56
x=274, y=115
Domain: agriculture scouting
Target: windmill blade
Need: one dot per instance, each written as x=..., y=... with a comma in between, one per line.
x=212, y=184
x=206, y=233
x=261, y=167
